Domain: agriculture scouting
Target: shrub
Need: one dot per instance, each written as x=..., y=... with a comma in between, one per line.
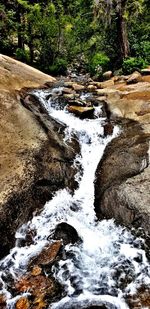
x=22, y=55
x=59, y=67
x=132, y=63
x=142, y=49
x=98, y=64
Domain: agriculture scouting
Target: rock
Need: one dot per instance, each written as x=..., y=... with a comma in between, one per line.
x=16, y=75
x=68, y=90
x=42, y=289
x=34, y=159
x=22, y=303
x=134, y=78
x=145, y=71
x=2, y=301
x=122, y=179
x=139, y=300
x=107, y=84
x=68, y=84
x=107, y=75
x=48, y=254
x=36, y=271
x=70, y=96
x=101, y=99
x=66, y=233
x=91, y=88
x=108, y=129
x=77, y=87
x=81, y=111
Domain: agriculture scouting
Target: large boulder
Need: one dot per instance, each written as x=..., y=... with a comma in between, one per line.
x=122, y=185
x=34, y=159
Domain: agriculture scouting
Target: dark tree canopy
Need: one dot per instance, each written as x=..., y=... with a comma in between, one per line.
x=54, y=34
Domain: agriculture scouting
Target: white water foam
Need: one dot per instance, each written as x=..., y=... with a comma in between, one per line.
x=93, y=269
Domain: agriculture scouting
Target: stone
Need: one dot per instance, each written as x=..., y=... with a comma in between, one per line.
x=69, y=96
x=139, y=300
x=78, y=87
x=22, y=303
x=145, y=71
x=66, y=233
x=101, y=99
x=36, y=270
x=107, y=84
x=40, y=287
x=108, y=129
x=68, y=90
x=68, y=84
x=35, y=161
x=134, y=78
x=48, y=254
x=91, y=88
x=122, y=179
x=2, y=301
x=16, y=75
x=107, y=75
x=81, y=111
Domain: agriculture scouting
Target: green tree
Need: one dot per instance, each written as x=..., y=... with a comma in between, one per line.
x=120, y=11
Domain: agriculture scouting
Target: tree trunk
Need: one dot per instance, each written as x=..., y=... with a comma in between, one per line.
x=122, y=31
x=19, y=21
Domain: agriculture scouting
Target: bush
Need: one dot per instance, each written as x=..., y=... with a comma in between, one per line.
x=98, y=64
x=22, y=55
x=142, y=49
x=132, y=63
x=59, y=67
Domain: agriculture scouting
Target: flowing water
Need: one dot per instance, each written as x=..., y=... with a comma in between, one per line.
x=109, y=262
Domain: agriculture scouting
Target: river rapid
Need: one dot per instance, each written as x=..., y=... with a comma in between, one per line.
x=109, y=262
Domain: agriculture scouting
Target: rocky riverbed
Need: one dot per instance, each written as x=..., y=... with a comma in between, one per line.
x=36, y=161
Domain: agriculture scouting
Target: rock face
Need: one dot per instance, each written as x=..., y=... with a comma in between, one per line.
x=122, y=186
x=34, y=160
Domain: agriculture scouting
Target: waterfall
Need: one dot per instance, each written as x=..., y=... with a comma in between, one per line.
x=89, y=271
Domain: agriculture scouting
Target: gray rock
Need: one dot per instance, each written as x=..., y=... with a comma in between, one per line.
x=122, y=186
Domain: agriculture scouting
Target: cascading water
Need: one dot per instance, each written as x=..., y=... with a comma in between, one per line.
x=94, y=269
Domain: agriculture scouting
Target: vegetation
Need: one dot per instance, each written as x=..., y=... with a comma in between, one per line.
x=92, y=34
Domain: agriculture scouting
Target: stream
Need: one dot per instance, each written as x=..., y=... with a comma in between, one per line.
x=109, y=262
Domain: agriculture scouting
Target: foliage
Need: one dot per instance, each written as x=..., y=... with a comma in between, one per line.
x=59, y=67
x=99, y=63
x=131, y=64
x=22, y=55
x=52, y=34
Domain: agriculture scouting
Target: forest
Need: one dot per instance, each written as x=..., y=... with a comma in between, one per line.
x=83, y=35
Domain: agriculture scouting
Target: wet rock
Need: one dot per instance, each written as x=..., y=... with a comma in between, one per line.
x=48, y=254
x=36, y=271
x=88, y=303
x=107, y=75
x=67, y=233
x=139, y=300
x=108, y=129
x=22, y=303
x=82, y=112
x=34, y=159
x=42, y=289
x=122, y=179
x=70, y=96
x=134, y=78
x=2, y=301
